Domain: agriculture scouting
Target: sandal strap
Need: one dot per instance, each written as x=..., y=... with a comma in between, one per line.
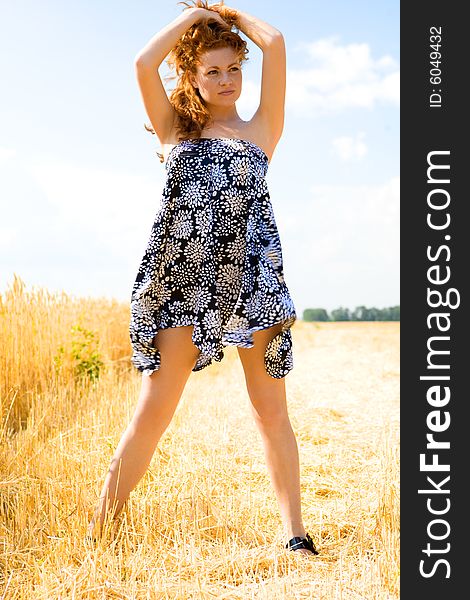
x=302, y=542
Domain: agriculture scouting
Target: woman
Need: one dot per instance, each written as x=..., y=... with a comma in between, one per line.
x=212, y=271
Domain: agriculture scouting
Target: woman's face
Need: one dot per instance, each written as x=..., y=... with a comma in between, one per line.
x=219, y=71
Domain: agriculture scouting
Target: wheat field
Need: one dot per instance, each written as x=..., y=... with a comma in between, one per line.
x=203, y=522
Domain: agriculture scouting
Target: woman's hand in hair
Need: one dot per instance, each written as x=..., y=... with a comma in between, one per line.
x=204, y=14
x=228, y=14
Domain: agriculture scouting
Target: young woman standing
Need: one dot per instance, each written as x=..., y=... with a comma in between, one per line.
x=212, y=273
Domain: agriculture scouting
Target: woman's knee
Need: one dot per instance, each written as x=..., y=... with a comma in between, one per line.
x=269, y=409
x=156, y=406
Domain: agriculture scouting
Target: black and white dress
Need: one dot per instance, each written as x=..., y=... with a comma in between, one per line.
x=214, y=258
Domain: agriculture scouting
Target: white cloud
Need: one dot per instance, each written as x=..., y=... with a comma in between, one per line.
x=350, y=148
x=111, y=208
x=7, y=236
x=341, y=77
x=348, y=238
x=76, y=227
x=345, y=224
x=6, y=153
x=364, y=217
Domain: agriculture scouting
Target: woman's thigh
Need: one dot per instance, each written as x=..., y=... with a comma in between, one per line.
x=161, y=391
x=252, y=359
x=177, y=350
x=267, y=394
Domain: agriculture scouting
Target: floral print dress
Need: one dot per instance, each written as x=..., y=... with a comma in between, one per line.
x=214, y=258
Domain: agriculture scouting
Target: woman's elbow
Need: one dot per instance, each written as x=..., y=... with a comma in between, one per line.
x=276, y=39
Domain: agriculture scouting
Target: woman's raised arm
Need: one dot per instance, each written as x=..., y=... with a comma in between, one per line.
x=158, y=107
x=270, y=112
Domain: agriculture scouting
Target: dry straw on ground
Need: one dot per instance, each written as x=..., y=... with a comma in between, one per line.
x=204, y=521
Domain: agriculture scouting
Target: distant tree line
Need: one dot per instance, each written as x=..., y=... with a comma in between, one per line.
x=360, y=313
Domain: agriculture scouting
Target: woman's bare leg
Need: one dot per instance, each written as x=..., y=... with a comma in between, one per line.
x=157, y=402
x=269, y=407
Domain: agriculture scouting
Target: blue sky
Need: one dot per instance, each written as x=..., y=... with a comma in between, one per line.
x=80, y=181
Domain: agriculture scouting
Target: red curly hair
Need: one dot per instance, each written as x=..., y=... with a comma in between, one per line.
x=191, y=112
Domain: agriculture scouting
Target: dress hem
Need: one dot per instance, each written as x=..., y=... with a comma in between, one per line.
x=278, y=358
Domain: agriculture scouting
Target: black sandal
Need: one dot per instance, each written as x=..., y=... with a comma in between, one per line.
x=302, y=542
